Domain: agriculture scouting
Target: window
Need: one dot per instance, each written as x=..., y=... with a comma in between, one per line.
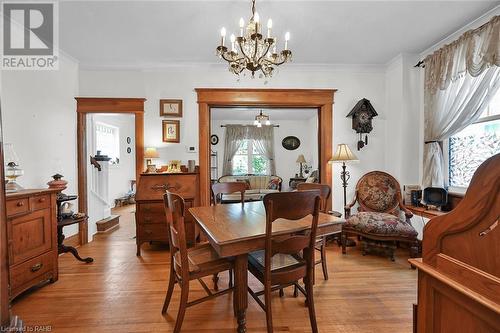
x=248, y=161
x=107, y=140
x=473, y=145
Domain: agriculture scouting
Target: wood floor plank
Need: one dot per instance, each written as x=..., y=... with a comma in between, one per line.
x=120, y=292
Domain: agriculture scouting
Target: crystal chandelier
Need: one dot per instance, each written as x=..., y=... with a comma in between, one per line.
x=250, y=50
x=261, y=119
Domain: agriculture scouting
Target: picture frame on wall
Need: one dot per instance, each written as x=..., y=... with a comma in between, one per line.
x=170, y=107
x=171, y=130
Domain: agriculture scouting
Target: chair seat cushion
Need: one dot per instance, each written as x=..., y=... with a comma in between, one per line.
x=380, y=224
x=278, y=261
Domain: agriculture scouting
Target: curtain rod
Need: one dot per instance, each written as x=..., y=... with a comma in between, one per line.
x=252, y=125
x=421, y=63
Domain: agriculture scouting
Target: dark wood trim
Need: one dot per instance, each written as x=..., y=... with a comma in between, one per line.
x=322, y=99
x=86, y=105
x=4, y=263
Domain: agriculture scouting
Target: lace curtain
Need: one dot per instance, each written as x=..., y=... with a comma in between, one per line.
x=262, y=139
x=460, y=81
x=234, y=136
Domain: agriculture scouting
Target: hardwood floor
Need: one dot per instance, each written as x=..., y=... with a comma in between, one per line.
x=120, y=292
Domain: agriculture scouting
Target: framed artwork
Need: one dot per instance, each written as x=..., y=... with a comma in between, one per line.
x=171, y=131
x=170, y=107
x=290, y=143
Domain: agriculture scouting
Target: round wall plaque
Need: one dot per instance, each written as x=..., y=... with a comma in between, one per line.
x=214, y=139
x=129, y=150
x=129, y=140
x=290, y=143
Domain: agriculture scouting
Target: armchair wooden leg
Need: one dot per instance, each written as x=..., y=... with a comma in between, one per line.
x=170, y=290
x=182, y=306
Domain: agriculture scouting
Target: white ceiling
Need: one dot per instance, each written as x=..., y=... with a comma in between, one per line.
x=242, y=114
x=155, y=33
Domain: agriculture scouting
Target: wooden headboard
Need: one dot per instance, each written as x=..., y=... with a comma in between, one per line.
x=459, y=273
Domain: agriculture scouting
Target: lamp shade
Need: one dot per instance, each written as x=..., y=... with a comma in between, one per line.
x=343, y=154
x=301, y=159
x=151, y=153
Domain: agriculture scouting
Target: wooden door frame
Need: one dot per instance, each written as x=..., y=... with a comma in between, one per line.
x=4, y=257
x=90, y=105
x=321, y=99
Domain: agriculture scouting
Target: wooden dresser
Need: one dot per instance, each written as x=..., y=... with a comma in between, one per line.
x=459, y=273
x=32, y=238
x=150, y=215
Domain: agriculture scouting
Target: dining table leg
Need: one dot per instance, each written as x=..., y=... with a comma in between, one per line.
x=240, y=298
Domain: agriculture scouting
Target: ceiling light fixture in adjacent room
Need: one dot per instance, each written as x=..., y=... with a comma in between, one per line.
x=251, y=50
x=261, y=119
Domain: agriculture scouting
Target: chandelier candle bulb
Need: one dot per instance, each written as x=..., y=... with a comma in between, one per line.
x=269, y=27
x=223, y=35
x=242, y=25
x=287, y=38
x=233, y=39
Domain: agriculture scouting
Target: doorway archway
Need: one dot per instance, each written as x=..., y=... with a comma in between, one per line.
x=208, y=98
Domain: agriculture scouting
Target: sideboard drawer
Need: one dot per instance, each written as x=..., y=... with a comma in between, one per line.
x=149, y=218
x=155, y=187
x=17, y=206
x=153, y=232
x=154, y=208
x=40, y=202
x=37, y=268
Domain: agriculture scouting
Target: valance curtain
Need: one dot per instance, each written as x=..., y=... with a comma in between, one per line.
x=234, y=136
x=263, y=141
x=262, y=138
x=460, y=80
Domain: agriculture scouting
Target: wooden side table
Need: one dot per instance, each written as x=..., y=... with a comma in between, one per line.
x=293, y=182
x=424, y=212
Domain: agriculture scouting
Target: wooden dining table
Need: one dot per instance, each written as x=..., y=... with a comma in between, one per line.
x=235, y=230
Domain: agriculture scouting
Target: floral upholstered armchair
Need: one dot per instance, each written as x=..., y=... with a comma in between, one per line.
x=382, y=220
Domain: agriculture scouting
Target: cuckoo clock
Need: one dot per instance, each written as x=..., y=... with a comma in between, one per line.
x=362, y=115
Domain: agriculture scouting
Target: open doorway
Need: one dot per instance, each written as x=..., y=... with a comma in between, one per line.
x=210, y=98
x=111, y=173
x=275, y=153
x=98, y=114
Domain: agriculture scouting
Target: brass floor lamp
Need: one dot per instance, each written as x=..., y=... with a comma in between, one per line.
x=343, y=155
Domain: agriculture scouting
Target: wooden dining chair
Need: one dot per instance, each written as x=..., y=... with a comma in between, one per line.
x=324, y=191
x=219, y=189
x=287, y=258
x=188, y=264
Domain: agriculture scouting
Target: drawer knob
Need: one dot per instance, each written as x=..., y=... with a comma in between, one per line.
x=20, y=204
x=41, y=200
x=149, y=232
x=148, y=219
x=36, y=267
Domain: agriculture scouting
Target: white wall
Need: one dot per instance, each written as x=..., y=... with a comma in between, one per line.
x=286, y=167
x=352, y=82
x=121, y=174
x=39, y=119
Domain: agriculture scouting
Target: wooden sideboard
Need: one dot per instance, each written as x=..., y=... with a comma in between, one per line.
x=459, y=273
x=32, y=238
x=150, y=219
